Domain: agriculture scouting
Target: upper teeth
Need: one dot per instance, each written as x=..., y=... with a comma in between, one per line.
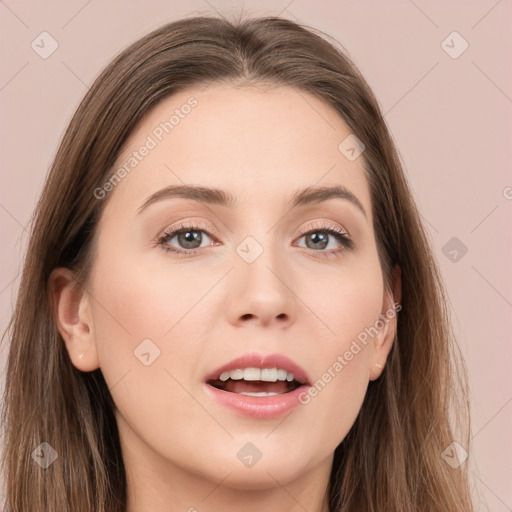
x=265, y=374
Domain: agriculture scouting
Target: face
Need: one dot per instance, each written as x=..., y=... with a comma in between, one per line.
x=182, y=285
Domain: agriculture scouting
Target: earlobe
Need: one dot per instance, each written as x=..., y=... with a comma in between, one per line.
x=73, y=317
x=381, y=348
x=375, y=371
x=388, y=318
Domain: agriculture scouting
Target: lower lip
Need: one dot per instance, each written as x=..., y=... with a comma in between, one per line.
x=258, y=407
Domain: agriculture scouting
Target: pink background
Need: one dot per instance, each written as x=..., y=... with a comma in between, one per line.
x=451, y=118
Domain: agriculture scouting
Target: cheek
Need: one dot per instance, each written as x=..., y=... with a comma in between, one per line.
x=342, y=363
x=134, y=303
x=333, y=402
x=349, y=308
x=346, y=301
x=140, y=293
x=148, y=329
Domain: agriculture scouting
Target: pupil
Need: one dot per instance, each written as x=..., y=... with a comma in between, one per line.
x=322, y=238
x=190, y=237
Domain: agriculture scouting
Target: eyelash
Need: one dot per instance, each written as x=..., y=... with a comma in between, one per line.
x=339, y=234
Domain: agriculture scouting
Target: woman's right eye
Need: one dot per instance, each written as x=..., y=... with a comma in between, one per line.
x=188, y=236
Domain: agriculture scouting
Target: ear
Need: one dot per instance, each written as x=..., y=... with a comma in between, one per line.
x=73, y=315
x=388, y=324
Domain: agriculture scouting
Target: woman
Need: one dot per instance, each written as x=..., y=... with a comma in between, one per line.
x=228, y=297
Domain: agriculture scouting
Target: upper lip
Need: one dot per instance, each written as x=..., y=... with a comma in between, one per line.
x=256, y=360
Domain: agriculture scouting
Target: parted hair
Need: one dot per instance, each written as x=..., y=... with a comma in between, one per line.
x=391, y=458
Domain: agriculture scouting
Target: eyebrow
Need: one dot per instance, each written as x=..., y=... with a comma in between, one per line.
x=215, y=196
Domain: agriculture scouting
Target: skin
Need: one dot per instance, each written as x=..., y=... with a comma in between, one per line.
x=179, y=445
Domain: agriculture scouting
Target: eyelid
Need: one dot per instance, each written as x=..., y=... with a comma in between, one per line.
x=197, y=225
x=192, y=223
x=189, y=224
x=324, y=224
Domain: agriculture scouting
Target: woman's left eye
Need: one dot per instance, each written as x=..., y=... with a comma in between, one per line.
x=190, y=239
x=322, y=236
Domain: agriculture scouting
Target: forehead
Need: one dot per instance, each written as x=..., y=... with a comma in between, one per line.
x=256, y=142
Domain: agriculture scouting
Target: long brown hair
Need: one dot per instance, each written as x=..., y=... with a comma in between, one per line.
x=392, y=457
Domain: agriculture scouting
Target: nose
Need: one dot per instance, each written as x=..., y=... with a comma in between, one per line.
x=262, y=292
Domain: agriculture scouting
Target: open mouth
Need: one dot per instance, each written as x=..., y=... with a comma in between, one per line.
x=256, y=382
